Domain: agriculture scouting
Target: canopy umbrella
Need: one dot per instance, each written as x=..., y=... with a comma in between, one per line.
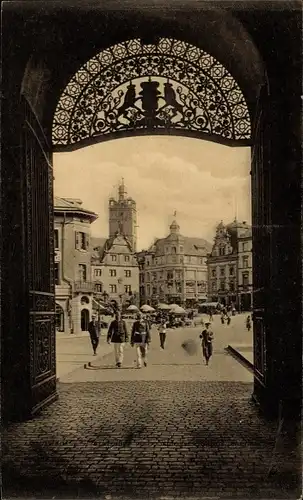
x=173, y=306
x=179, y=310
x=101, y=307
x=163, y=307
x=147, y=308
x=132, y=308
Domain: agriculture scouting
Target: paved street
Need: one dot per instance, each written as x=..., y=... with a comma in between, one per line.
x=171, y=364
x=176, y=428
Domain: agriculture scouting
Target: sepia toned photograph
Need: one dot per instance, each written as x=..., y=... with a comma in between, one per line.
x=151, y=265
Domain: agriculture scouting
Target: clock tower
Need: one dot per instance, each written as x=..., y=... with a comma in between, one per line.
x=123, y=216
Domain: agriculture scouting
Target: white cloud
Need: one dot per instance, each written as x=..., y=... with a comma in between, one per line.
x=202, y=181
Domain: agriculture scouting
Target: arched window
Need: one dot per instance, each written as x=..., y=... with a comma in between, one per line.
x=59, y=318
x=84, y=320
x=84, y=300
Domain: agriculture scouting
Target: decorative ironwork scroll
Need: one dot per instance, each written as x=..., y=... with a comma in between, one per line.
x=133, y=87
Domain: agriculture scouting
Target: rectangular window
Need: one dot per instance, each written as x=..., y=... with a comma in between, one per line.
x=201, y=260
x=154, y=290
x=222, y=271
x=222, y=286
x=82, y=240
x=113, y=272
x=56, y=239
x=56, y=273
x=213, y=273
x=127, y=273
x=231, y=286
x=112, y=288
x=127, y=288
x=114, y=258
x=244, y=246
x=126, y=258
x=245, y=262
x=170, y=275
x=214, y=286
x=231, y=271
x=174, y=259
x=98, y=287
x=245, y=279
x=82, y=272
x=98, y=272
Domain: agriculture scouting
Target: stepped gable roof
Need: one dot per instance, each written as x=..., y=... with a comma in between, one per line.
x=116, y=244
x=72, y=205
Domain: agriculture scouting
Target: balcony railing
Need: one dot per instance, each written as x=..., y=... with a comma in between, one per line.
x=84, y=286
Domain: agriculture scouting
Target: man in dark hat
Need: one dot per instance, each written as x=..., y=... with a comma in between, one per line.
x=93, y=329
x=141, y=339
x=118, y=335
x=207, y=342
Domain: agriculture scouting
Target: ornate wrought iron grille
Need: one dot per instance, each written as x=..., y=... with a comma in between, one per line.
x=170, y=86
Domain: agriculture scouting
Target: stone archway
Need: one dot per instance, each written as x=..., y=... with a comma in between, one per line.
x=52, y=55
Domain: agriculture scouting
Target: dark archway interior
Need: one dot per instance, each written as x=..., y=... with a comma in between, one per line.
x=260, y=45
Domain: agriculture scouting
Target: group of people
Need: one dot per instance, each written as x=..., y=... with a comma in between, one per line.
x=118, y=336
x=140, y=337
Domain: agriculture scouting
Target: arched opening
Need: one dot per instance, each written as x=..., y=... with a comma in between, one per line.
x=84, y=320
x=59, y=318
x=84, y=300
x=157, y=104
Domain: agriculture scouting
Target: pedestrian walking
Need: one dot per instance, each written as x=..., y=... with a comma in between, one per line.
x=248, y=323
x=141, y=338
x=207, y=342
x=222, y=318
x=118, y=335
x=94, y=332
x=228, y=319
x=162, y=332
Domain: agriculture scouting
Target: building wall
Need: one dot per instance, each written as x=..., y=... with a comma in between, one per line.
x=169, y=274
x=72, y=285
x=116, y=273
x=72, y=257
x=228, y=252
x=245, y=273
x=123, y=219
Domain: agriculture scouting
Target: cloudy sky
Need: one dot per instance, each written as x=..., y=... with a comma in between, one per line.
x=203, y=181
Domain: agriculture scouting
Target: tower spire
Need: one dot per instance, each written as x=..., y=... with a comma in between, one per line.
x=122, y=190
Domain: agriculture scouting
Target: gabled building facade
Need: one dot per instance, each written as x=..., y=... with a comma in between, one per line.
x=230, y=266
x=174, y=270
x=115, y=271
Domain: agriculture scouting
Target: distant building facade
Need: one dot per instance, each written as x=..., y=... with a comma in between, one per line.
x=230, y=266
x=73, y=287
x=174, y=270
x=123, y=216
x=115, y=271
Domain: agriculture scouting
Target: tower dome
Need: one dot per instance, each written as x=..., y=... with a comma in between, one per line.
x=174, y=227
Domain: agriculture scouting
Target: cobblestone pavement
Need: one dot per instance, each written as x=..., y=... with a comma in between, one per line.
x=143, y=439
x=174, y=429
